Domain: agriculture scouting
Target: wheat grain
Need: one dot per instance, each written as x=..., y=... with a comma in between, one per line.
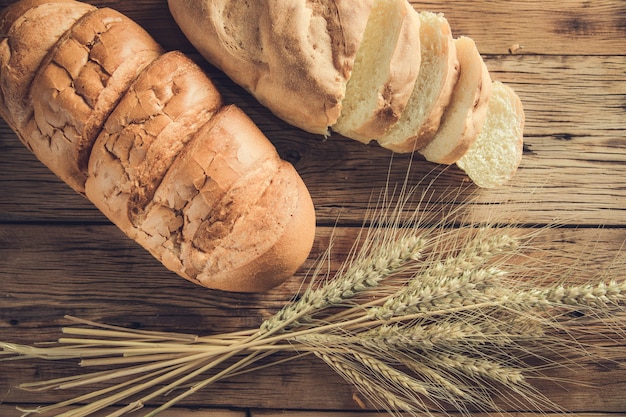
x=439, y=292
x=480, y=368
x=366, y=274
x=385, y=398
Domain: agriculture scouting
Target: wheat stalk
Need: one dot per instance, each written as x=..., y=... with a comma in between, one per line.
x=419, y=316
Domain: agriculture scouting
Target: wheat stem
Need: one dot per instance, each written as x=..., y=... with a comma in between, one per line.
x=242, y=363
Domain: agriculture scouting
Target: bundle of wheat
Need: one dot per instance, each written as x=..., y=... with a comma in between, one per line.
x=421, y=315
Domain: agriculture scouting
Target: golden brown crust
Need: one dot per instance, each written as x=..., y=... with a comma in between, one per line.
x=227, y=214
x=231, y=201
x=295, y=59
x=289, y=245
x=88, y=72
x=31, y=30
x=170, y=100
x=14, y=11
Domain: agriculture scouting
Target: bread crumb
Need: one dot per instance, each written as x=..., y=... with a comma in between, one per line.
x=515, y=47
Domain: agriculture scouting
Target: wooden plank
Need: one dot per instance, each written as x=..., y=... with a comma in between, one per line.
x=297, y=413
x=309, y=385
x=568, y=27
x=82, y=270
x=11, y=411
x=51, y=271
x=581, y=156
x=571, y=27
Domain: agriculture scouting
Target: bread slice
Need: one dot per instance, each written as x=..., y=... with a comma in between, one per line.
x=384, y=74
x=464, y=117
x=431, y=95
x=495, y=156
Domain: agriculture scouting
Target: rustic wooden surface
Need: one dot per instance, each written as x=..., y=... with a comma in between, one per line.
x=567, y=60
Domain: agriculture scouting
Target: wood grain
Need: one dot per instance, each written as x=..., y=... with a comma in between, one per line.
x=109, y=291
x=580, y=154
x=567, y=61
x=10, y=411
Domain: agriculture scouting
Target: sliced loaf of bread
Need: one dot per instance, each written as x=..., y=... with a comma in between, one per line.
x=464, y=117
x=366, y=55
x=437, y=76
x=384, y=73
x=495, y=156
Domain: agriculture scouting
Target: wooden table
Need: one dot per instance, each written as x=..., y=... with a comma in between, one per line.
x=567, y=60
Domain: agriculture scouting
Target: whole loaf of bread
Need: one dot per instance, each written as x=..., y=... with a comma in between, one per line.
x=370, y=70
x=144, y=135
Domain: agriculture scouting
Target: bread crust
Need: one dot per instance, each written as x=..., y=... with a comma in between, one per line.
x=153, y=122
x=31, y=29
x=87, y=73
x=14, y=11
x=238, y=218
x=225, y=211
x=295, y=59
x=290, y=243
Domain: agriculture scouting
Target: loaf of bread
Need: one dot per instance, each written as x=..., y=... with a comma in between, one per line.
x=375, y=70
x=144, y=135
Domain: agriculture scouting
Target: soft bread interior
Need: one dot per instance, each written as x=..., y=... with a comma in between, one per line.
x=464, y=117
x=493, y=159
x=431, y=95
x=384, y=73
